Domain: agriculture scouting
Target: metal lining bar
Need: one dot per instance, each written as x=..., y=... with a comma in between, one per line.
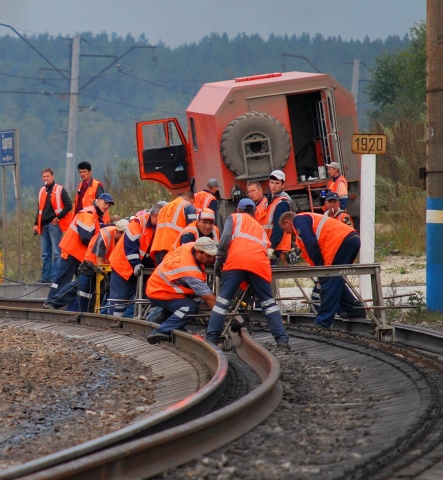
x=377, y=314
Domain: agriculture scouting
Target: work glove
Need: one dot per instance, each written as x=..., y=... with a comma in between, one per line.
x=138, y=270
x=271, y=255
x=86, y=268
x=218, y=267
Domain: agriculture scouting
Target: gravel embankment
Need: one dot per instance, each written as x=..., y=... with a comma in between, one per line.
x=57, y=393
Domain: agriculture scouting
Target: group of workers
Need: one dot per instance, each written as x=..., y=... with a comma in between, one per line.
x=177, y=240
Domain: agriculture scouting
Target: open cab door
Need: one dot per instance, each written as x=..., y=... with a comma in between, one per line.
x=163, y=153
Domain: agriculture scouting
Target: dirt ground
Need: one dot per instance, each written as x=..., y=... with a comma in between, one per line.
x=403, y=271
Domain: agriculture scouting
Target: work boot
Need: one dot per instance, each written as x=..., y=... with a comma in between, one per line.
x=157, y=337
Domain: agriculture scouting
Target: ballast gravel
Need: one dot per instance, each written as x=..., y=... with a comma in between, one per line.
x=57, y=393
x=295, y=441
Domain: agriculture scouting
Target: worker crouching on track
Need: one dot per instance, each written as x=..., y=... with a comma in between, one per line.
x=242, y=257
x=324, y=242
x=176, y=282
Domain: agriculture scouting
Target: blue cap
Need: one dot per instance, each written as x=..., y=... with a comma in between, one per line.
x=331, y=196
x=106, y=197
x=245, y=202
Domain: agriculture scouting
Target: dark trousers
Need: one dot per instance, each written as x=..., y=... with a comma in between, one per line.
x=335, y=294
x=67, y=269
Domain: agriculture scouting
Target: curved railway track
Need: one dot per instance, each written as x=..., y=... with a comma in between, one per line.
x=402, y=382
x=182, y=427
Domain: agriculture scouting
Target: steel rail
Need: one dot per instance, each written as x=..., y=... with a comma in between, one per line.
x=137, y=451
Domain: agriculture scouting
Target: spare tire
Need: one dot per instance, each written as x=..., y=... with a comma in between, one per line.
x=251, y=140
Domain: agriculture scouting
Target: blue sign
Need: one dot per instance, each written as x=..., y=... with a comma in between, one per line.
x=8, y=147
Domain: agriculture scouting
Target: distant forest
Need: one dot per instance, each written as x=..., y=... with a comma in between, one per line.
x=144, y=83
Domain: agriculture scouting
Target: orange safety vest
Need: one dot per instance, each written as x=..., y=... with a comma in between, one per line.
x=339, y=186
x=108, y=235
x=71, y=243
x=343, y=217
x=57, y=205
x=260, y=210
x=171, y=222
x=138, y=230
x=267, y=222
x=330, y=235
x=179, y=263
x=89, y=197
x=192, y=227
x=202, y=200
x=248, y=248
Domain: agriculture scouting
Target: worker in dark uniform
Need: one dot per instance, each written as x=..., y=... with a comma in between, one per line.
x=324, y=241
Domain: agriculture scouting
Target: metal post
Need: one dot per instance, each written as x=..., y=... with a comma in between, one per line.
x=5, y=239
x=18, y=201
x=434, y=155
x=367, y=218
x=355, y=80
x=71, y=151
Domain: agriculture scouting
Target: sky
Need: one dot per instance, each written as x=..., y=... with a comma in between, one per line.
x=175, y=22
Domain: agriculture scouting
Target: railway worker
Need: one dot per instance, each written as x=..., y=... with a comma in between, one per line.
x=100, y=249
x=74, y=243
x=207, y=198
x=172, y=219
x=204, y=226
x=279, y=202
x=255, y=193
x=333, y=210
x=130, y=256
x=338, y=183
x=176, y=283
x=52, y=219
x=88, y=189
x=78, y=293
x=323, y=242
x=242, y=257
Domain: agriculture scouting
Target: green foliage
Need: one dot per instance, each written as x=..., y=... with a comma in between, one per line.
x=129, y=192
x=400, y=198
x=130, y=195
x=398, y=84
x=148, y=83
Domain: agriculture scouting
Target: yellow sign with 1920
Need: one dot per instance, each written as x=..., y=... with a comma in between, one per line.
x=364, y=143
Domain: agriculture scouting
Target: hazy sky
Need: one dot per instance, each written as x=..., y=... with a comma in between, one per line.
x=185, y=21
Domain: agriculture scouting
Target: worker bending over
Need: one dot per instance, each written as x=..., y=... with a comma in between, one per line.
x=323, y=242
x=242, y=257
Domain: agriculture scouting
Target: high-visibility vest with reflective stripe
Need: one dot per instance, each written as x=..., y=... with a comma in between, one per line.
x=260, y=210
x=343, y=217
x=89, y=196
x=108, y=236
x=268, y=221
x=171, y=222
x=71, y=243
x=139, y=232
x=57, y=205
x=329, y=233
x=88, y=199
x=339, y=186
x=178, y=263
x=192, y=227
x=202, y=200
x=248, y=248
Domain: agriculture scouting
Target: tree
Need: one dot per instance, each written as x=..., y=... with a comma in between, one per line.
x=398, y=85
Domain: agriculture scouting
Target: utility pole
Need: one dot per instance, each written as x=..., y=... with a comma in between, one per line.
x=434, y=155
x=71, y=150
x=355, y=80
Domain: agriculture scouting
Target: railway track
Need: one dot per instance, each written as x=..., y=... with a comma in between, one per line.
x=401, y=382
x=185, y=427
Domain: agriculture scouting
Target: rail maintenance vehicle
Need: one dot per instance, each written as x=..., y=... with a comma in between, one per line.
x=242, y=129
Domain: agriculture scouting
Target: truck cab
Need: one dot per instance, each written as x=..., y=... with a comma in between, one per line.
x=242, y=129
